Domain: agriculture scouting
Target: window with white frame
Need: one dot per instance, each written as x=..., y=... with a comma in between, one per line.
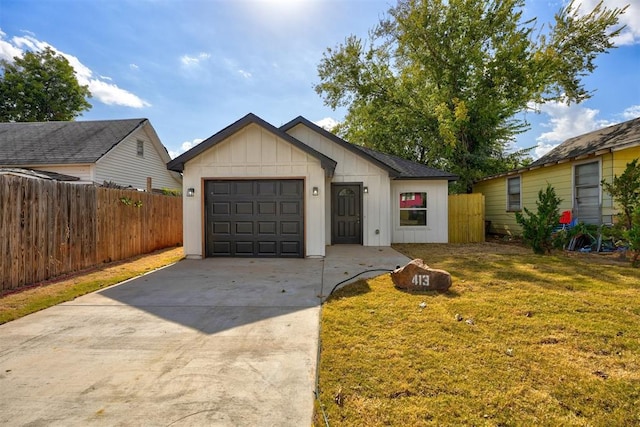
x=413, y=209
x=140, y=148
x=514, y=201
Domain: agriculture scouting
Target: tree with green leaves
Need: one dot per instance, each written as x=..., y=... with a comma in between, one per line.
x=443, y=82
x=40, y=86
x=625, y=191
x=537, y=227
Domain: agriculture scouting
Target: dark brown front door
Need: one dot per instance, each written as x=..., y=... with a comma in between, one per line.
x=346, y=207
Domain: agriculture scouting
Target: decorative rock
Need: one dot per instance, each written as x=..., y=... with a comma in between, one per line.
x=418, y=276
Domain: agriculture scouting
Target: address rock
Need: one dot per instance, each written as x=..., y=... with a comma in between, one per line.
x=418, y=276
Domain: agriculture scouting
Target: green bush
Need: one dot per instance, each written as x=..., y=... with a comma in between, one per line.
x=537, y=228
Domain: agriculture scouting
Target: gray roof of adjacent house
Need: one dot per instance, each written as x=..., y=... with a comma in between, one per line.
x=61, y=142
x=397, y=167
x=33, y=173
x=611, y=138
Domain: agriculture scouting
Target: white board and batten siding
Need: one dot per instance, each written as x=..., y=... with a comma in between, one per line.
x=125, y=167
x=253, y=153
x=353, y=168
x=437, y=228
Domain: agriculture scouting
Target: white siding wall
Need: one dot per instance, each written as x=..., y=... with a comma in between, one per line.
x=353, y=168
x=253, y=152
x=123, y=166
x=437, y=228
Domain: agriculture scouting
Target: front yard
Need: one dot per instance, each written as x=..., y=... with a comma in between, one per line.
x=519, y=339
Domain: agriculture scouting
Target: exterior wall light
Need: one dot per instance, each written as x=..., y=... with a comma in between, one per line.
x=315, y=191
x=365, y=190
x=191, y=192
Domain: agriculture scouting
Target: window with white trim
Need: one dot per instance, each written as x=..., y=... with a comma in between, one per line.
x=514, y=200
x=413, y=209
x=140, y=148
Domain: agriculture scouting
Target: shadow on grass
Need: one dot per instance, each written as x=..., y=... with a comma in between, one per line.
x=350, y=290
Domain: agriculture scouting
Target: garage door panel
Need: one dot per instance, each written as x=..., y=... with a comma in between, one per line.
x=244, y=228
x=290, y=248
x=267, y=188
x=254, y=218
x=222, y=228
x=244, y=208
x=243, y=188
x=289, y=227
x=290, y=208
x=267, y=227
x=267, y=208
x=221, y=248
x=267, y=248
x=221, y=208
x=244, y=248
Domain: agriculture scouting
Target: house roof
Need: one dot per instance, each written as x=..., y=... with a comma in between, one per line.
x=177, y=164
x=36, y=143
x=598, y=142
x=33, y=173
x=612, y=138
x=397, y=167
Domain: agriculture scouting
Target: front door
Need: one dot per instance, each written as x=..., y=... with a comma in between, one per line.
x=346, y=206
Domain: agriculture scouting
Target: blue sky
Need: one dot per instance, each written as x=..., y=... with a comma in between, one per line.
x=193, y=67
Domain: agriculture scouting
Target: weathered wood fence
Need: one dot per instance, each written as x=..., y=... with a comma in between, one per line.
x=466, y=218
x=50, y=228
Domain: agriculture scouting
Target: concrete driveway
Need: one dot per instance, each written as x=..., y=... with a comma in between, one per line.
x=222, y=342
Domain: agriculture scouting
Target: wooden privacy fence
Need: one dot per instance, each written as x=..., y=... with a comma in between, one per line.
x=466, y=218
x=50, y=228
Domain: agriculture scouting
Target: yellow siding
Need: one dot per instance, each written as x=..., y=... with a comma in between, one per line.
x=560, y=176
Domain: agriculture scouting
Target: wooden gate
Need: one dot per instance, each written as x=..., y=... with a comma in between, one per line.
x=466, y=218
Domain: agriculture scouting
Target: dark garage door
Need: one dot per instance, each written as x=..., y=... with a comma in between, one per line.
x=255, y=218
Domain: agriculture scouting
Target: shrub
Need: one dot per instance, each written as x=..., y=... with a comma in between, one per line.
x=537, y=228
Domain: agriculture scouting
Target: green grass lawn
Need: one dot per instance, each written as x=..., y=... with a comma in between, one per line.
x=538, y=340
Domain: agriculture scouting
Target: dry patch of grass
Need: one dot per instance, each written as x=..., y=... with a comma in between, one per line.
x=16, y=305
x=538, y=340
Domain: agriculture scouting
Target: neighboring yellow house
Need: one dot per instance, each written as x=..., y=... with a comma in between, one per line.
x=574, y=169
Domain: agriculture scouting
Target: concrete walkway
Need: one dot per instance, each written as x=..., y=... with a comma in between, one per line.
x=220, y=342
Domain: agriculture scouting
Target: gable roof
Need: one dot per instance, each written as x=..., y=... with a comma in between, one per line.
x=177, y=164
x=397, y=167
x=38, y=143
x=612, y=138
x=598, y=142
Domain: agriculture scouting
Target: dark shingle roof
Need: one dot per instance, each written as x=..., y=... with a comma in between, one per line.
x=406, y=168
x=397, y=167
x=604, y=139
x=177, y=164
x=55, y=176
x=61, y=142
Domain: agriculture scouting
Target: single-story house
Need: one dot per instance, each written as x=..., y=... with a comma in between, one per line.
x=574, y=169
x=124, y=152
x=253, y=189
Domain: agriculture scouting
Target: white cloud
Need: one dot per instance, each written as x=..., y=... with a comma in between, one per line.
x=185, y=146
x=107, y=93
x=327, y=123
x=632, y=112
x=245, y=74
x=134, y=67
x=631, y=18
x=192, y=61
x=7, y=50
x=566, y=122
